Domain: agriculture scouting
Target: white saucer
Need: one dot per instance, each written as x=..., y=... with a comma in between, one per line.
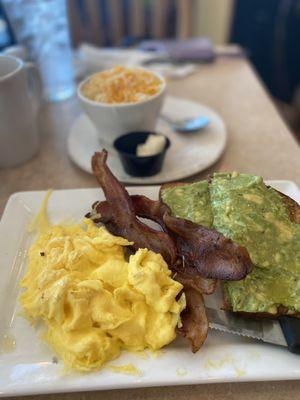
x=188, y=154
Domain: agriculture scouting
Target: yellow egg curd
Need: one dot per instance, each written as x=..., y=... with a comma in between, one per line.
x=93, y=301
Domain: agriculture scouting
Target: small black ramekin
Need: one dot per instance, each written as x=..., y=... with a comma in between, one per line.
x=134, y=165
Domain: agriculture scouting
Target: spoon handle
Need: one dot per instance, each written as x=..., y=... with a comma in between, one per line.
x=167, y=119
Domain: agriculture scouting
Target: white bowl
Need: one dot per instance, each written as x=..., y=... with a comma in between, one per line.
x=113, y=120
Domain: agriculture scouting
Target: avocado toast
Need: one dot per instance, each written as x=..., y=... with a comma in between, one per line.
x=258, y=217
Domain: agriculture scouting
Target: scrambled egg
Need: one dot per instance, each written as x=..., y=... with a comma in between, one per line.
x=94, y=302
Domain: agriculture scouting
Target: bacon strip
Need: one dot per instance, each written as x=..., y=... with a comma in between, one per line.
x=208, y=251
x=194, y=319
x=204, y=252
x=151, y=209
x=196, y=282
x=122, y=220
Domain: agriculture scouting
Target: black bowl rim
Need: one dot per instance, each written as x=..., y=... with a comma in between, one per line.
x=134, y=156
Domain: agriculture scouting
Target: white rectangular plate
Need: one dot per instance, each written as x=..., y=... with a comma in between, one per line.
x=30, y=369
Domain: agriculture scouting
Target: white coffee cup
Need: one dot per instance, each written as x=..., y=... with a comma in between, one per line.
x=20, y=92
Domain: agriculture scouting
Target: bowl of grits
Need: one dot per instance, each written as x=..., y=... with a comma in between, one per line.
x=122, y=99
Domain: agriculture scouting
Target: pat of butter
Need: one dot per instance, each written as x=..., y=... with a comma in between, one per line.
x=153, y=145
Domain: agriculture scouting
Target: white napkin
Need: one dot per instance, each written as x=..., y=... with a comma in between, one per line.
x=89, y=59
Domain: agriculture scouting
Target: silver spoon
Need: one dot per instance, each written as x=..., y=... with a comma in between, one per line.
x=188, y=124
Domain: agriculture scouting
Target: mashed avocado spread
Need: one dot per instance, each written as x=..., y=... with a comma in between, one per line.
x=245, y=210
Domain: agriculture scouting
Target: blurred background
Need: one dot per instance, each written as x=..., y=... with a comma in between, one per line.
x=265, y=31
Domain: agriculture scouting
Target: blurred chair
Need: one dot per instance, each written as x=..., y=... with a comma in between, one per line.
x=121, y=22
x=270, y=31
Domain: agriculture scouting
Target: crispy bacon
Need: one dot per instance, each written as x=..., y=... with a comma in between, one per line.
x=122, y=220
x=196, y=282
x=194, y=319
x=204, y=252
x=151, y=209
x=208, y=251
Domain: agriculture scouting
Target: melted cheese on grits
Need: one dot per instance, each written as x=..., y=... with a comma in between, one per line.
x=95, y=303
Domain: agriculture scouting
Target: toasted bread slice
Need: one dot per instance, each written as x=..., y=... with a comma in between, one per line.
x=294, y=214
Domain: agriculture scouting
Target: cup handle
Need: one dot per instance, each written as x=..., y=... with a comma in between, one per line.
x=34, y=83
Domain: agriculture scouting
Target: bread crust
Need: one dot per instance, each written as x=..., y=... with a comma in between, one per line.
x=171, y=185
x=294, y=214
x=293, y=207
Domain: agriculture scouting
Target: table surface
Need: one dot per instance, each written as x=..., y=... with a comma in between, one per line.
x=258, y=142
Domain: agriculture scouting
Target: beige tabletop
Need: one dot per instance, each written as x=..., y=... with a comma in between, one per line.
x=258, y=142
